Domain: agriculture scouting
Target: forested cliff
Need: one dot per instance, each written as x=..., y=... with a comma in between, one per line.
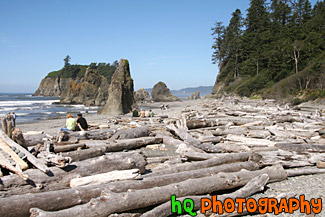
x=276, y=51
x=79, y=84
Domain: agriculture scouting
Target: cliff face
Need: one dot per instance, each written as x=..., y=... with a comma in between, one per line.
x=51, y=86
x=120, y=93
x=90, y=90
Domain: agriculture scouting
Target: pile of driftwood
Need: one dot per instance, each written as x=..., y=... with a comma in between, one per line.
x=219, y=147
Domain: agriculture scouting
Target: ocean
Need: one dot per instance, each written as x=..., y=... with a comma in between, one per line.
x=30, y=108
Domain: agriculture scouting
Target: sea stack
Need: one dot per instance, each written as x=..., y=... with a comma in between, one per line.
x=120, y=92
x=91, y=90
x=142, y=96
x=160, y=93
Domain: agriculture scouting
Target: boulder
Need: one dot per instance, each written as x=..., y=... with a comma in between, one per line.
x=90, y=90
x=142, y=96
x=120, y=92
x=160, y=93
x=195, y=95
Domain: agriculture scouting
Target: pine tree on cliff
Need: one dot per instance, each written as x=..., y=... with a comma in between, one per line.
x=67, y=61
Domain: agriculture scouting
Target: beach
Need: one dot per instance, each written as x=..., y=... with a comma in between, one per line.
x=240, y=114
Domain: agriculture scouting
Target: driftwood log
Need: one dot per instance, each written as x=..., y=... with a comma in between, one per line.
x=105, y=146
x=132, y=133
x=61, y=199
x=4, y=125
x=31, y=158
x=61, y=177
x=223, y=159
x=111, y=202
x=253, y=186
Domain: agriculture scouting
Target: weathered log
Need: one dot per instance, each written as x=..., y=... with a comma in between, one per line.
x=61, y=178
x=17, y=136
x=110, y=202
x=31, y=140
x=304, y=171
x=301, y=147
x=61, y=199
x=101, y=134
x=132, y=133
x=103, y=178
x=185, y=136
x=120, y=145
x=4, y=125
x=224, y=159
x=31, y=158
x=84, y=154
x=250, y=141
x=10, y=128
x=64, y=148
x=129, y=144
x=22, y=164
x=196, y=156
x=253, y=186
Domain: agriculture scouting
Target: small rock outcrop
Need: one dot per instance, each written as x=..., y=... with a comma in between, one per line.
x=195, y=95
x=160, y=93
x=91, y=90
x=142, y=96
x=120, y=92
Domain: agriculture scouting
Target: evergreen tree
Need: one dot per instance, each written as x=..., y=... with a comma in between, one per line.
x=67, y=61
x=218, y=45
x=233, y=41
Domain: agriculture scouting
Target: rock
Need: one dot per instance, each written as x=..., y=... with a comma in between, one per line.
x=120, y=92
x=195, y=95
x=141, y=96
x=92, y=89
x=160, y=93
x=51, y=86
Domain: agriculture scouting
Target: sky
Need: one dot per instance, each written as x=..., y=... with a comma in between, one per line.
x=164, y=40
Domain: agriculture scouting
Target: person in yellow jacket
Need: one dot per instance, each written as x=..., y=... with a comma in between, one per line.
x=70, y=123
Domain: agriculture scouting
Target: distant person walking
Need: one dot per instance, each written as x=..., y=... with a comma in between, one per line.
x=14, y=116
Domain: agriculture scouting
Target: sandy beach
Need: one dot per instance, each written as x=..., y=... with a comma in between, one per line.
x=53, y=126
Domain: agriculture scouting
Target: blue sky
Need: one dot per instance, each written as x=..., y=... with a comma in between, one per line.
x=164, y=40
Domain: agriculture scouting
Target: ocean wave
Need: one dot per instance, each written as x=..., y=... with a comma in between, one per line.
x=22, y=114
x=23, y=103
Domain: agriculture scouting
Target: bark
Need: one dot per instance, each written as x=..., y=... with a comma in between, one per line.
x=110, y=202
x=61, y=177
x=61, y=199
x=253, y=186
